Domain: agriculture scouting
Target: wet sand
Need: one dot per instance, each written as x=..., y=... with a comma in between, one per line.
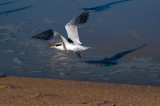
x=20, y=91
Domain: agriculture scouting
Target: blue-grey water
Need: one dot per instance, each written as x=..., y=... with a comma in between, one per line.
x=124, y=36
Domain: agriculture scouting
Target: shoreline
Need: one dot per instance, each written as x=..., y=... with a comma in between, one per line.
x=41, y=91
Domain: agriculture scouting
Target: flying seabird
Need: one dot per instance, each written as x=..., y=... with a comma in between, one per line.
x=72, y=43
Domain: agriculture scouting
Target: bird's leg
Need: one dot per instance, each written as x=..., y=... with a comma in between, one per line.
x=78, y=54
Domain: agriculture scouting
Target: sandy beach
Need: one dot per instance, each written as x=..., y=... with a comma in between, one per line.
x=20, y=91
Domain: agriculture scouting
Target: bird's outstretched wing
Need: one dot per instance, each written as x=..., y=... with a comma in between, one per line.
x=50, y=34
x=46, y=35
x=74, y=24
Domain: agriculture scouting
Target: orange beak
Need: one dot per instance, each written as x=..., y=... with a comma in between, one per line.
x=53, y=47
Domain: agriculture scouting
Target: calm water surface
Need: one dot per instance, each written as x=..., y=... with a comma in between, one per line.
x=123, y=35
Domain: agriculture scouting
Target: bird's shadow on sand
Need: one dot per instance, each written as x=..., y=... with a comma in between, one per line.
x=114, y=59
x=105, y=6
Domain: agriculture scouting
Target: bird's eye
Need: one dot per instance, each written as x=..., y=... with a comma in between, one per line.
x=58, y=44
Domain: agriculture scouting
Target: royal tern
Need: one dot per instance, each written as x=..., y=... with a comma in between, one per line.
x=72, y=43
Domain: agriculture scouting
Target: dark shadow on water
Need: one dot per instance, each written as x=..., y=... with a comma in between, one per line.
x=104, y=7
x=15, y=10
x=8, y=3
x=114, y=59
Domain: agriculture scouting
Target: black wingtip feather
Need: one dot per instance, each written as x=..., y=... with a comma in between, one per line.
x=83, y=18
x=46, y=35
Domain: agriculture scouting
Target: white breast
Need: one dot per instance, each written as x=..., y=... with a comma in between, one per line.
x=72, y=47
x=75, y=48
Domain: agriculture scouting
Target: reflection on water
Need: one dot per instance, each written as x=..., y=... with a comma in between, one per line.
x=8, y=3
x=114, y=59
x=65, y=66
x=105, y=7
x=15, y=10
x=110, y=58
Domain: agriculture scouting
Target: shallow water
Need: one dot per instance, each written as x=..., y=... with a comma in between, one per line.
x=123, y=35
